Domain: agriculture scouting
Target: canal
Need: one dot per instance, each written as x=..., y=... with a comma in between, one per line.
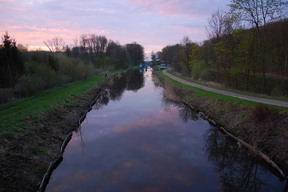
x=135, y=140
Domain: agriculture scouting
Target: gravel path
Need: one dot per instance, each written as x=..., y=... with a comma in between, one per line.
x=245, y=97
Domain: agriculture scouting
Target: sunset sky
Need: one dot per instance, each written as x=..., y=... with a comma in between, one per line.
x=151, y=23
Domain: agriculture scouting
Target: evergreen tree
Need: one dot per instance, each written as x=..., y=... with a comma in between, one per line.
x=11, y=63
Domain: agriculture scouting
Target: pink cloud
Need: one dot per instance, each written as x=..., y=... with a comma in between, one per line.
x=188, y=8
x=34, y=36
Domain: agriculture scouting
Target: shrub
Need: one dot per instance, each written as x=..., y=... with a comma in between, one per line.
x=38, y=76
x=73, y=69
x=44, y=71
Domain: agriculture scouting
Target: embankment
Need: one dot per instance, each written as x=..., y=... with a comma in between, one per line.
x=26, y=154
x=263, y=128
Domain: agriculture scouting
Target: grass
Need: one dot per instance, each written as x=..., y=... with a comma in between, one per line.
x=13, y=114
x=229, y=89
x=200, y=92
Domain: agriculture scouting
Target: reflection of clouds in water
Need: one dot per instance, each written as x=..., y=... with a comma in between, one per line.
x=104, y=115
x=129, y=164
x=80, y=176
x=150, y=149
x=116, y=177
x=135, y=145
x=60, y=187
x=152, y=120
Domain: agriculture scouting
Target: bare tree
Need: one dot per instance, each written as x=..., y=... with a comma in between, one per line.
x=221, y=23
x=216, y=24
x=258, y=12
x=93, y=44
x=56, y=44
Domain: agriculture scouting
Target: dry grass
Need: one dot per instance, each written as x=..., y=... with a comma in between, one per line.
x=169, y=93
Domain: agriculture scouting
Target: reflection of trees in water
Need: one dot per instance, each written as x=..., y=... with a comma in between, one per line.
x=101, y=101
x=238, y=169
x=135, y=80
x=156, y=79
x=186, y=113
x=118, y=87
x=171, y=98
x=131, y=80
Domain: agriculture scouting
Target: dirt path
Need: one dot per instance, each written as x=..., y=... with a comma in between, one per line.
x=245, y=97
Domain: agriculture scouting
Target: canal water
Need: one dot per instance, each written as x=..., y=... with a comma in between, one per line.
x=135, y=140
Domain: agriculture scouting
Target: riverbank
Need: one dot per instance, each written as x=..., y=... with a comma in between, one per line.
x=262, y=126
x=281, y=102
x=33, y=130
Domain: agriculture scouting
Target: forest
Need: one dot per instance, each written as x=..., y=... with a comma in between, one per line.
x=247, y=49
x=24, y=73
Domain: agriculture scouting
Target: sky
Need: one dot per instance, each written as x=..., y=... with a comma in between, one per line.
x=152, y=23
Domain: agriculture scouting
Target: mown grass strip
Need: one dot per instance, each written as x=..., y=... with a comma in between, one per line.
x=219, y=97
x=13, y=114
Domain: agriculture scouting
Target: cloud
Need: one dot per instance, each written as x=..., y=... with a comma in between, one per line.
x=188, y=8
x=34, y=36
x=153, y=24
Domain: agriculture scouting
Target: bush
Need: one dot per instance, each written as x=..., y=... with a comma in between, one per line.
x=105, y=64
x=38, y=76
x=73, y=69
x=44, y=71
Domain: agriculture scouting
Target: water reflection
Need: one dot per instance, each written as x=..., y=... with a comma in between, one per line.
x=237, y=169
x=184, y=111
x=131, y=80
x=141, y=144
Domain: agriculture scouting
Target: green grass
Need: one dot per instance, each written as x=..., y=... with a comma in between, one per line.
x=219, y=97
x=13, y=114
x=229, y=89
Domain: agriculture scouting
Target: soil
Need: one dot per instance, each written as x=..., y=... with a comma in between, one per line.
x=26, y=155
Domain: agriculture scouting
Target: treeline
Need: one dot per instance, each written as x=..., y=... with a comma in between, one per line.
x=252, y=59
x=103, y=53
x=25, y=73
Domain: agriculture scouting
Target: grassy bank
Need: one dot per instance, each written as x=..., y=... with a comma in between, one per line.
x=13, y=114
x=229, y=89
x=219, y=97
